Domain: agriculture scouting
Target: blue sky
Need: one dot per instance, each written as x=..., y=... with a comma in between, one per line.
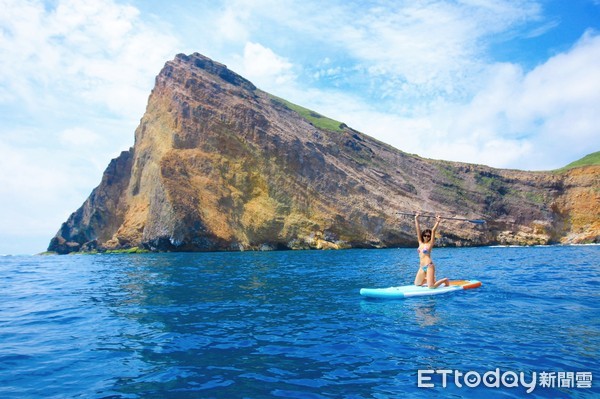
x=510, y=84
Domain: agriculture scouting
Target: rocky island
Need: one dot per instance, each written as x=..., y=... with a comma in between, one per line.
x=218, y=164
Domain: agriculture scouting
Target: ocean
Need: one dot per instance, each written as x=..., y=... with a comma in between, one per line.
x=292, y=325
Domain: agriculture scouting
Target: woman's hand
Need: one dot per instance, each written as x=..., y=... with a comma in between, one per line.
x=438, y=219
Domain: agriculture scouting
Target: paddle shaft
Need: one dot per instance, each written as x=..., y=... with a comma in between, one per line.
x=476, y=221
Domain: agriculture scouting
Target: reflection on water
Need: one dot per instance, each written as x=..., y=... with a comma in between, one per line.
x=426, y=315
x=420, y=311
x=255, y=283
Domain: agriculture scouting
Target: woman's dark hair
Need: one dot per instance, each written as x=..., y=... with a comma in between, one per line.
x=426, y=232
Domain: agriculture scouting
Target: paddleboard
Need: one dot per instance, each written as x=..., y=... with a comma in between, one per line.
x=407, y=291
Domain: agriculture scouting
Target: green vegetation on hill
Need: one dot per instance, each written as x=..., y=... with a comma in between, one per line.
x=318, y=120
x=588, y=160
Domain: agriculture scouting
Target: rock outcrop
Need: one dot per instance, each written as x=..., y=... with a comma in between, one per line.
x=218, y=164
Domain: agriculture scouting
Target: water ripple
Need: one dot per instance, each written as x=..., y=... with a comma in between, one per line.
x=290, y=324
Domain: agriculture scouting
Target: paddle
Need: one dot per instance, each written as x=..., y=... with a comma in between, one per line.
x=475, y=221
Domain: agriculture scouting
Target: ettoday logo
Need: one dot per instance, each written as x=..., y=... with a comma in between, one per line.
x=507, y=379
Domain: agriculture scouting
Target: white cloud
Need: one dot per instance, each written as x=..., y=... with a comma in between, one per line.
x=232, y=24
x=78, y=137
x=420, y=50
x=74, y=80
x=568, y=80
x=79, y=50
x=36, y=187
x=265, y=68
x=542, y=119
x=41, y=185
x=403, y=54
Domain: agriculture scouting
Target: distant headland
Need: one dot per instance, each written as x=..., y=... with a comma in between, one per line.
x=218, y=164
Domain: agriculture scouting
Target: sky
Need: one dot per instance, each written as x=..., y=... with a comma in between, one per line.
x=509, y=84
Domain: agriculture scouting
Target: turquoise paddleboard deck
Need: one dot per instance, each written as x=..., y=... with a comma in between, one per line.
x=408, y=291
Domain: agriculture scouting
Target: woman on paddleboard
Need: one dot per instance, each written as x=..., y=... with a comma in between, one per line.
x=426, y=271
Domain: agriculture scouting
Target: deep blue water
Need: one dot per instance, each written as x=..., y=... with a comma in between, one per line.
x=292, y=324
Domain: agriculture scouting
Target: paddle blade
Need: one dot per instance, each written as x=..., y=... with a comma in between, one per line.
x=477, y=221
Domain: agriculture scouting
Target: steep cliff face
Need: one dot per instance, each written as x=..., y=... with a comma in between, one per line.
x=220, y=165
x=579, y=203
